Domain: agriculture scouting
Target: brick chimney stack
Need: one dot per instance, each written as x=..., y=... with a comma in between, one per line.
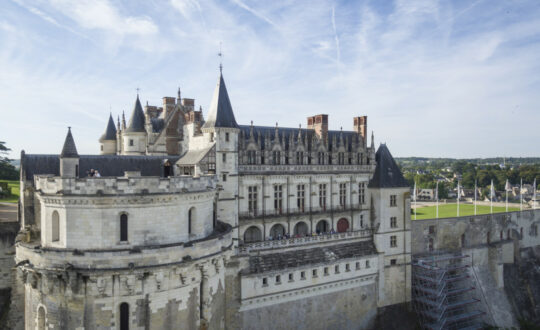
x=360, y=127
x=319, y=123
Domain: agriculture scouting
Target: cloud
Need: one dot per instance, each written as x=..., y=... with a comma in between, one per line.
x=102, y=15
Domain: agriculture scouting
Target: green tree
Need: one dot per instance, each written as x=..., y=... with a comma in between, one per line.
x=7, y=171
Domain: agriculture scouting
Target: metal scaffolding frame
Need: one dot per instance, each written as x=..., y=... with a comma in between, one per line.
x=444, y=292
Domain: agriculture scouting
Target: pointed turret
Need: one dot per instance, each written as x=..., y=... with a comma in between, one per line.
x=110, y=131
x=220, y=113
x=69, y=157
x=137, y=121
x=69, y=150
x=387, y=173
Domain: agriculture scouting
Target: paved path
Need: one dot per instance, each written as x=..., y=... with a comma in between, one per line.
x=8, y=212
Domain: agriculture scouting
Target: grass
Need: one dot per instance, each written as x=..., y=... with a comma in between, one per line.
x=450, y=210
x=14, y=189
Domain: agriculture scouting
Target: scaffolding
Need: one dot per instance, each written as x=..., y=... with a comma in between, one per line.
x=444, y=292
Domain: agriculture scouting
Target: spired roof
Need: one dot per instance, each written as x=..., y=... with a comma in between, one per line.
x=136, y=122
x=110, y=132
x=107, y=165
x=387, y=173
x=221, y=113
x=69, y=150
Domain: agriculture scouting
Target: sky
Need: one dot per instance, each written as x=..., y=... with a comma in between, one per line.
x=435, y=78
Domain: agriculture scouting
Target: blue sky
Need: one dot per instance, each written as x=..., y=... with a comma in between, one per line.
x=436, y=78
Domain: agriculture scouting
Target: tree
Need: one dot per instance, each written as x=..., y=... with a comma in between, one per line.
x=7, y=171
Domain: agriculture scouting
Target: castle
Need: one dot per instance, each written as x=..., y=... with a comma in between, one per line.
x=204, y=223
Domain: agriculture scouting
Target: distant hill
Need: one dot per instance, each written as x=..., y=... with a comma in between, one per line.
x=509, y=161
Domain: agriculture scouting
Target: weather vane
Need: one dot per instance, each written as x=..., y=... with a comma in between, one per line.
x=138, y=89
x=220, y=54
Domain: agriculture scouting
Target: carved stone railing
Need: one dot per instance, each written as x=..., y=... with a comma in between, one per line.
x=290, y=242
x=297, y=211
x=305, y=168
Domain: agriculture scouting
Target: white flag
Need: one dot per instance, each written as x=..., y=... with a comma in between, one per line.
x=492, y=192
x=437, y=191
x=414, y=192
x=507, y=187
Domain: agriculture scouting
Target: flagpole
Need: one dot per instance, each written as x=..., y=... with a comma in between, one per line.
x=475, y=192
x=521, y=195
x=458, y=195
x=534, y=194
x=437, y=199
x=506, y=190
x=491, y=197
x=415, y=198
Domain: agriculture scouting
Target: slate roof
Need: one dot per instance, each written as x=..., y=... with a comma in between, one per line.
x=136, y=122
x=387, y=173
x=193, y=157
x=287, y=131
x=303, y=257
x=157, y=124
x=110, y=132
x=107, y=165
x=221, y=112
x=69, y=150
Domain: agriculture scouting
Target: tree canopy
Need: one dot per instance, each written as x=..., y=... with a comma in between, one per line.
x=7, y=170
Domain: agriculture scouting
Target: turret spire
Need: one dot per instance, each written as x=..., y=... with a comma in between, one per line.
x=221, y=112
x=69, y=150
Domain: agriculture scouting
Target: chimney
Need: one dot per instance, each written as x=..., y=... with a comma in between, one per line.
x=319, y=123
x=360, y=127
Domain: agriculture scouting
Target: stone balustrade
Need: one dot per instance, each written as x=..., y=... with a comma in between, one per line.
x=305, y=168
x=298, y=241
x=48, y=184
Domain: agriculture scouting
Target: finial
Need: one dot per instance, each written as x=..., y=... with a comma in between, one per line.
x=69, y=128
x=179, y=93
x=220, y=54
x=146, y=102
x=276, y=124
x=252, y=123
x=138, y=89
x=341, y=128
x=299, y=126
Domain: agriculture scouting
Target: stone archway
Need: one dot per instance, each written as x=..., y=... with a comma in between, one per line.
x=322, y=227
x=277, y=230
x=252, y=234
x=342, y=225
x=301, y=229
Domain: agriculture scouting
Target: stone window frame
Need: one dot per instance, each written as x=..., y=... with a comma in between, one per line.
x=120, y=215
x=393, y=200
x=393, y=241
x=303, y=275
x=55, y=226
x=393, y=222
x=265, y=281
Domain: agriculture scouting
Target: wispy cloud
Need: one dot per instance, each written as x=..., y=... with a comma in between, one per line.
x=436, y=78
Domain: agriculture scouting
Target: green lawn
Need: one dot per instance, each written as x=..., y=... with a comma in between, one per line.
x=450, y=210
x=14, y=187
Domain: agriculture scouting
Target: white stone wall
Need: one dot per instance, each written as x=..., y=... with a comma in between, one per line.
x=94, y=222
x=139, y=143
x=107, y=147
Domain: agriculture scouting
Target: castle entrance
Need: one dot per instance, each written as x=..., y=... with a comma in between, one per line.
x=301, y=229
x=342, y=225
x=322, y=227
x=252, y=234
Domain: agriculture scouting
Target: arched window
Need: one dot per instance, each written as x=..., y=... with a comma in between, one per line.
x=123, y=228
x=252, y=234
x=277, y=231
x=301, y=229
x=41, y=318
x=322, y=227
x=342, y=225
x=124, y=316
x=191, y=219
x=55, y=226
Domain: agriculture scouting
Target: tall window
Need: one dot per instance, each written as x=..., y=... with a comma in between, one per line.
x=393, y=222
x=278, y=198
x=55, y=226
x=393, y=241
x=277, y=157
x=123, y=228
x=320, y=158
x=131, y=143
x=341, y=158
x=41, y=318
x=393, y=200
x=300, y=197
x=191, y=219
x=252, y=154
x=343, y=195
x=252, y=200
x=300, y=158
x=224, y=157
x=322, y=196
x=361, y=193
x=124, y=316
x=227, y=137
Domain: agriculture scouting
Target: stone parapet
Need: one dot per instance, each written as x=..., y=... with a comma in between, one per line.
x=125, y=258
x=48, y=184
x=248, y=169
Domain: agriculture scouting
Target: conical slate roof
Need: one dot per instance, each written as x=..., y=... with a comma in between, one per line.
x=69, y=150
x=387, y=173
x=136, y=122
x=110, y=132
x=220, y=113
